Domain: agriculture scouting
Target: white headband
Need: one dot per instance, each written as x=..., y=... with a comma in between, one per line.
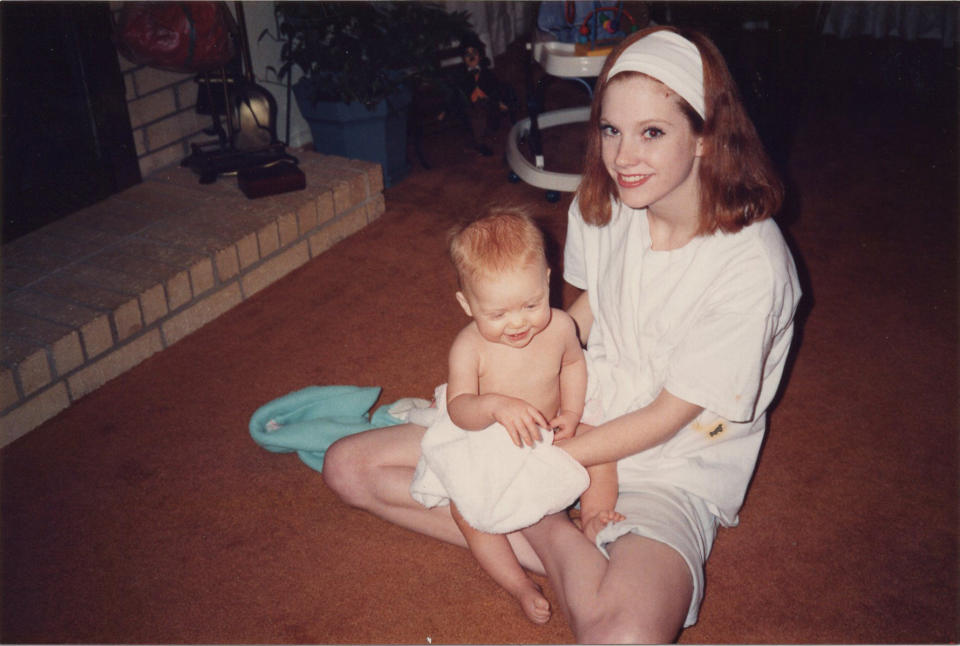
x=671, y=59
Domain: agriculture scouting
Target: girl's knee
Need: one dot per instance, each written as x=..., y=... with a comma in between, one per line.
x=651, y=618
x=626, y=628
x=342, y=472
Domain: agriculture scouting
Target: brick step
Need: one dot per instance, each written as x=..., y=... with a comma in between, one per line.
x=94, y=294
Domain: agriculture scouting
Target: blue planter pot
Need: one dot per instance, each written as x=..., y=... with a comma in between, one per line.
x=351, y=130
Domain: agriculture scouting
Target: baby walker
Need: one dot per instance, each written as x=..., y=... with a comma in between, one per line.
x=571, y=48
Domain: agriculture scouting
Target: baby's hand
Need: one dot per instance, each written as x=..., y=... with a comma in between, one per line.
x=522, y=421
x=564, y=425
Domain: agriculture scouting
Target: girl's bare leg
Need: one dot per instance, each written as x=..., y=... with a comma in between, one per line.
x=497, y=559
x=373, y=471
x=641, y=595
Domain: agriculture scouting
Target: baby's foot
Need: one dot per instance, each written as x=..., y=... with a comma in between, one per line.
x=592, y=526
x=532, y=602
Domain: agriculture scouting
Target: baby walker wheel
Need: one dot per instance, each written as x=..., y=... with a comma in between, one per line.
x=513, y=178
x=553, y=196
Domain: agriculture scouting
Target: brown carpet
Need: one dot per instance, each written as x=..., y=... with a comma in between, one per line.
x=145, y=513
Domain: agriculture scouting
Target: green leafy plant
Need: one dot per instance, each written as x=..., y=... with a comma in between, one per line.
x=364, y=51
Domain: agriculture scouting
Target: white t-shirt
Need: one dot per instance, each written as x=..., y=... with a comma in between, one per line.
x=711, y=322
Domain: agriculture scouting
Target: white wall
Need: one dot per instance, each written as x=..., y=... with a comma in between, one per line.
x=265, y=53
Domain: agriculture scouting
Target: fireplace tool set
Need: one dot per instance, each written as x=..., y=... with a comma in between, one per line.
x=248, y=146
x=198, y=37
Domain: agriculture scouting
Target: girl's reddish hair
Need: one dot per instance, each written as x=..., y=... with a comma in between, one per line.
x=737, y=182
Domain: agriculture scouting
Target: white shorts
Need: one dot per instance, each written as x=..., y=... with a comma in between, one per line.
x=671, y=516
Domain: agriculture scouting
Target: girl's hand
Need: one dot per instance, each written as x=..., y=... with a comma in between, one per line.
x=522, y=421
x=564, y=425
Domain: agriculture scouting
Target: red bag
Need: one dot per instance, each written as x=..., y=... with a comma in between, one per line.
x=186, y=37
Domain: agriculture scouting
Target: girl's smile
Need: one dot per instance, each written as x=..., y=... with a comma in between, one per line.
x=631, y=181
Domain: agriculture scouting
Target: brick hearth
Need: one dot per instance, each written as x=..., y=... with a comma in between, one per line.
x=94, y=294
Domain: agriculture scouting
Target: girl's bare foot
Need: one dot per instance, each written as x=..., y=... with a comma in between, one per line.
x=532, y=602
x=591, y=526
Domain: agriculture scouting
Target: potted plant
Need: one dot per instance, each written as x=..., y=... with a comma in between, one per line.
x=360, y=61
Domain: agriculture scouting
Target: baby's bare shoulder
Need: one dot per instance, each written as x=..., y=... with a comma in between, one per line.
x=467, y=339
x=561, y=315
x=561, y=322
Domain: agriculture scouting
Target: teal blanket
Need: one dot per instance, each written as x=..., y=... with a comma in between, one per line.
x=308, y=421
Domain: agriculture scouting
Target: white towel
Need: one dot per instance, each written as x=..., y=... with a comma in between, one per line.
x=414, y=410
x=498, y=487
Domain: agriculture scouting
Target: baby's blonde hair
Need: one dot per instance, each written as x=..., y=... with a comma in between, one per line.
x=504, y=237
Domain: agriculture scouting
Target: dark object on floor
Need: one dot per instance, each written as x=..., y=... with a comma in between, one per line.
x=209, y=160
x=281, y=177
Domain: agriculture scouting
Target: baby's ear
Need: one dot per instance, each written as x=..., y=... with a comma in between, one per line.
x=464, y=304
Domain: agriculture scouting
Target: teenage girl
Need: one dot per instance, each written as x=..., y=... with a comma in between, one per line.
x=689, y=293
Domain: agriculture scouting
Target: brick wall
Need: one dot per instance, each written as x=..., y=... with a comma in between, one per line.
x=162, y=107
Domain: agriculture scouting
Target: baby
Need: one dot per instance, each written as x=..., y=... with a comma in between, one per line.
x=519, y=363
